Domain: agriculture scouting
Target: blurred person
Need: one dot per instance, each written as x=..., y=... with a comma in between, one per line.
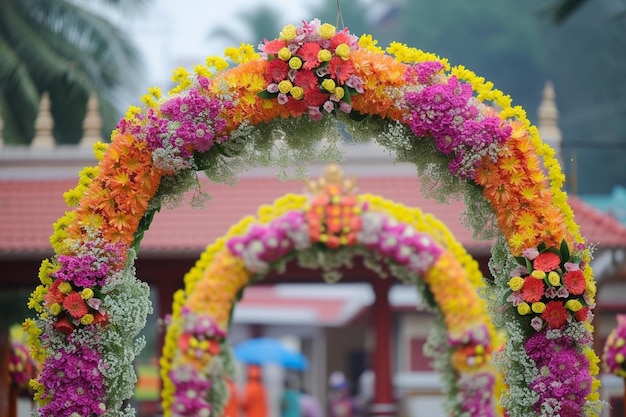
x=340, y=404
x=254, y=403
x=232, y=406
x=309, y=405
x=290, y=401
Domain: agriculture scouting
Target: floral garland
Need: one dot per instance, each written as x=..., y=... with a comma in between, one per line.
x=195, y=358
x=614, y=358
x=223, y=120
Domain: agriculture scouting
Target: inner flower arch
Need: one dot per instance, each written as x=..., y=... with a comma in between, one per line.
x=274, y=107
x=338, y=227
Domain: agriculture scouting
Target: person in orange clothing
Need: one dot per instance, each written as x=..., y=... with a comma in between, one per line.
x=232, y=406
x=254, y=404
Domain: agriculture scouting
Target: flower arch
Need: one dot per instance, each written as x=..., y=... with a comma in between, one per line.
x=273, y=108
x=332, y=228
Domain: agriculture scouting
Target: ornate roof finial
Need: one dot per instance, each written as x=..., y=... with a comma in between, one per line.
x=92, y=124
x=548, y=116
x=43, y=125
x=333, y=179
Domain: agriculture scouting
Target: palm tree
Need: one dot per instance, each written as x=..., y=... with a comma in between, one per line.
x=261, y=22
x=69, y=49
x=562, y=10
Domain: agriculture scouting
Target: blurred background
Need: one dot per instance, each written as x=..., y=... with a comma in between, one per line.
x=56, y=54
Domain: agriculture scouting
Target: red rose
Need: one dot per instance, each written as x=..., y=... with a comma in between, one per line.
x=64, y=326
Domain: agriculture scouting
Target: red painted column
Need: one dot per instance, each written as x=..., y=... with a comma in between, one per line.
x=384, y=404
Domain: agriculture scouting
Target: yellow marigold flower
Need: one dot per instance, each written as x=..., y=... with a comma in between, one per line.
x=538, y=274
x=573, y=305
x=288, y=32
x=284, y=86
x=86, y=293
x=284, y=54
x=36, y=298
x=149, y=101
x=217, y=62
x=516, y=283
x=297, y=92
x=87, y=174
x=538, y=307
x=324, y=55
x=99, y=148
x=72, y=197
x=523, y=309
x=55, y=309
x=156, y=92
x=326, y=31
x=65, y=287
x=342, y=51
x=554, y=279
x=367, y=42
x=295, y=63
x=339, y=92
x=329, y=85
x=180, y=76
x=45, y=270
x=86, y=319
x=202, y=71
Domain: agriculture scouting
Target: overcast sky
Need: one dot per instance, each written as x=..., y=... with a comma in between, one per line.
x=172, y=33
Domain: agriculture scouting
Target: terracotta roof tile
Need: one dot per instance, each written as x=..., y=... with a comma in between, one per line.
x=29, y=208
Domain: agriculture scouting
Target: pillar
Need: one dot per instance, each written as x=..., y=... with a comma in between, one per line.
x=383, y=403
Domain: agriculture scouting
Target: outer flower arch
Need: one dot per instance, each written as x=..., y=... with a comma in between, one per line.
x=414, y=247
x=273, y=108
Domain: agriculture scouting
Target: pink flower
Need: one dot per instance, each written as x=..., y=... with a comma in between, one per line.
x=536, y=323
x=530, y=253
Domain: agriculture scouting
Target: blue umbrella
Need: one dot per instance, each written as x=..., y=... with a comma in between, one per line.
x=263, y=350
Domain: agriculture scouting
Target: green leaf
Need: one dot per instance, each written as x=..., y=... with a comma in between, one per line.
x=521, y=260
x=565, y=255
x=357, y=117
x=267, y=94
x=542, y=247
x=346, y=95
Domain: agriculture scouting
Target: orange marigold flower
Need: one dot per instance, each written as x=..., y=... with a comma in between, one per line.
x=555, y=314
x=575, y=282
x=75, y=305
x=546, y=261
x=532, y=290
